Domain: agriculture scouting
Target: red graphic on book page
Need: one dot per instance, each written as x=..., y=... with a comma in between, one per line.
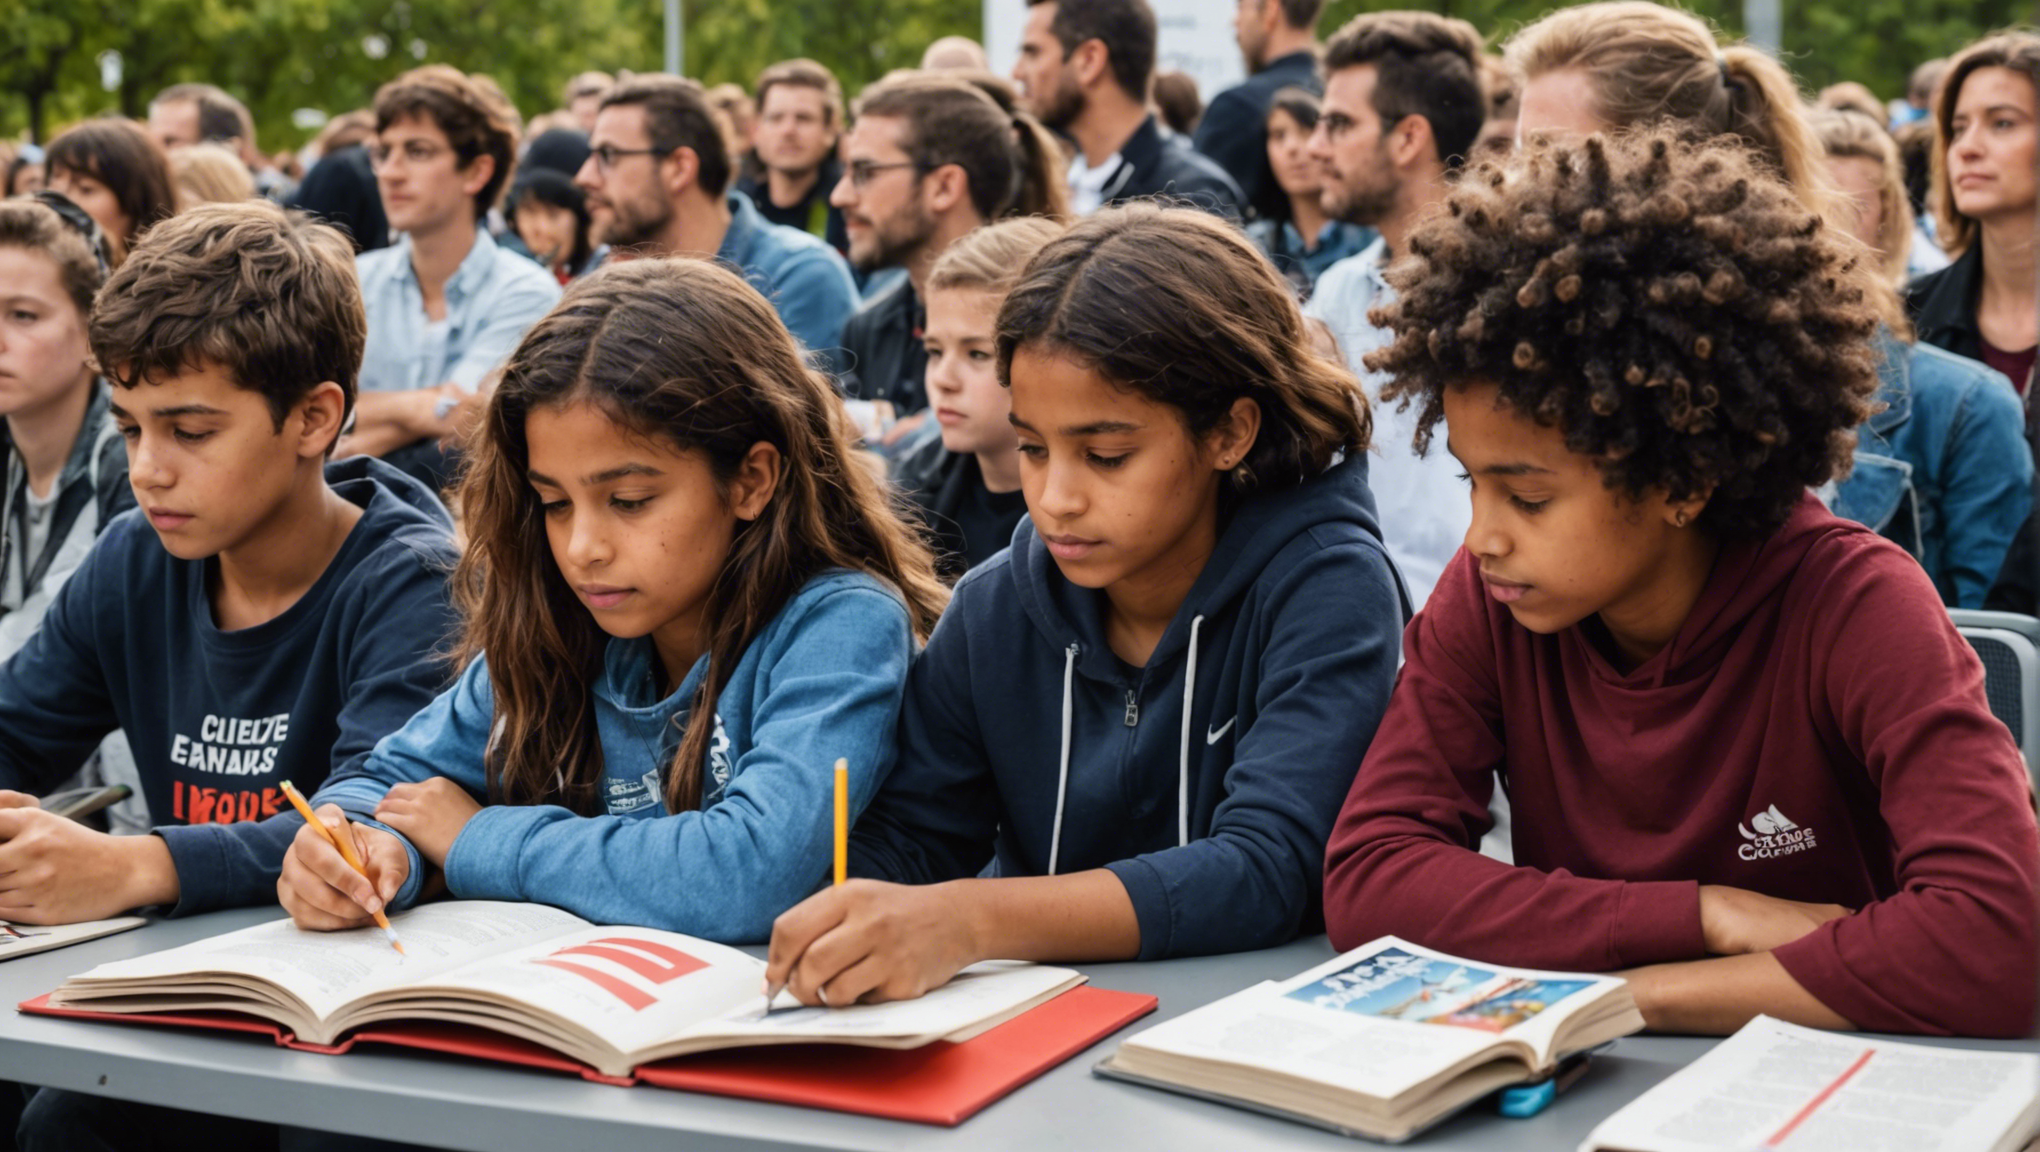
x=657, y=963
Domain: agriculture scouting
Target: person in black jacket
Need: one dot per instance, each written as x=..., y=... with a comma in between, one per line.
x=1084, y=69
x=931, y=158
x=966, y=483
x=1278, y=41
x=1986, y=118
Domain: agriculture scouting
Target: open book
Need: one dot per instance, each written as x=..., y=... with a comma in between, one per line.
x=612, y=998
x=1382, y=1042
x=23, y=939
x=1777, y=1085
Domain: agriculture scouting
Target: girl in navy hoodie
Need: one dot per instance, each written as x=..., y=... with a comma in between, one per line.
x=1141, y=715
x=1749, y=759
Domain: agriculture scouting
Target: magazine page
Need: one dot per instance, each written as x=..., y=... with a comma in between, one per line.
x=326, y=970
x=24, y=939
x=1775, y=1085
x=1380, y=1020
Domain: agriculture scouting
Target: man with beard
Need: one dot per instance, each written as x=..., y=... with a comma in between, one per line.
x=1084, y=70
x=1278, y=41
x=658, y=184
x=931, y=158
x=1403, y=106
x=800, y=112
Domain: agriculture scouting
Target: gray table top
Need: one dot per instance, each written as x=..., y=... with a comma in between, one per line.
x=456, y=1103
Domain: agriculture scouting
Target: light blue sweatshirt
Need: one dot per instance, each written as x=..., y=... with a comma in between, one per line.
x=823, y=679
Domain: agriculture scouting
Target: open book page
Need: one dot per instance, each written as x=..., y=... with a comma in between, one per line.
x=625, y=988
x=1778, y=1086
x=24, y=939
x=1382, y=1020
x=326, y=970
x=975, y=999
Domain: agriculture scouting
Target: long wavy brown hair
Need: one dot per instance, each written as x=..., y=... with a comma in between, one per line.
x=685, y=351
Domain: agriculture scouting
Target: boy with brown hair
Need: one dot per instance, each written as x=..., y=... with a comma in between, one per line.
x=445, y=303
x=263, y=615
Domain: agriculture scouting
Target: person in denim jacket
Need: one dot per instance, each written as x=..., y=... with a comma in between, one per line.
x=1943, y=469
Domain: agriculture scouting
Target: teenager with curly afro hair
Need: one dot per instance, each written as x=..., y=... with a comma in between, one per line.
x=1749, y=759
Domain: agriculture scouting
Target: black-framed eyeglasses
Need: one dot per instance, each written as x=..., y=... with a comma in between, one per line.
x=862, y=171
x=607, y=155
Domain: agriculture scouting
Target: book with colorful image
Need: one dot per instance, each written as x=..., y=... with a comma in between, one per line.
x=1381, y=1042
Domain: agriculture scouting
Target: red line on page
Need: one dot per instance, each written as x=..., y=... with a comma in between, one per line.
x=1779, y=1136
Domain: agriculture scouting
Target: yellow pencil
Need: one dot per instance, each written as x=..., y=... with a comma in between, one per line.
x=346, y=848
x=842, y=854
x=842, y=820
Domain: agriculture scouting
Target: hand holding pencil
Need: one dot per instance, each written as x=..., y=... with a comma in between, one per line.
x=326, y=885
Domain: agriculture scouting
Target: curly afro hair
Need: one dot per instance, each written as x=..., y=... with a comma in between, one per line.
x=1664, y=303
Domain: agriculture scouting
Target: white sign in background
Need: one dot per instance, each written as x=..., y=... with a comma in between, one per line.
x=1196, y=37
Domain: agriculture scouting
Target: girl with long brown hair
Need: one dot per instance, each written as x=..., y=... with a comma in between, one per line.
x=1144, y=713
x=684, y=599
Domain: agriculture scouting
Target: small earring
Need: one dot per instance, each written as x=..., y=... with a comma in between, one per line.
x=1679, y=518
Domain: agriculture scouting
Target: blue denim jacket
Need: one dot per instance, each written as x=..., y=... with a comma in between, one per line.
x=1944, y=470
x=804, y=278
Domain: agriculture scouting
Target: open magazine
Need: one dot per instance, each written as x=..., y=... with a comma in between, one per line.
x=1775, y=1085
x=1382, y=1042
x=612, y=998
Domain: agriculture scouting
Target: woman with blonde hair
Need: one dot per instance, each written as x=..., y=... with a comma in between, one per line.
x=1628, y=63
x=1941, y=469
x=208, y=174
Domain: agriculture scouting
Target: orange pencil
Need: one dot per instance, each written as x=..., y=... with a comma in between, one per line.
x=842, y=820
x=346, y=847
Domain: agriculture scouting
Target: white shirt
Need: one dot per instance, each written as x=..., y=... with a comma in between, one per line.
x=1421, y=500
x=1087, y=184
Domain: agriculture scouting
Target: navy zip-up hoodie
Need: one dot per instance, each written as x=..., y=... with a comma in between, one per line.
x=218, y=719
x=1022, y=729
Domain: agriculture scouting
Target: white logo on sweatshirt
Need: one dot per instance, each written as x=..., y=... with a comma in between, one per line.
x=1214, y=735
x=1775, y=835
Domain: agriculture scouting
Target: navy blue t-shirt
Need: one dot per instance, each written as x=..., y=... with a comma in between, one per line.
x=217, y=719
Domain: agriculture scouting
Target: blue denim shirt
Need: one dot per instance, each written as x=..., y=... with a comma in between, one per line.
x=1301, y=265
x=804, y=278
x=491, y=299
x=1944, y=470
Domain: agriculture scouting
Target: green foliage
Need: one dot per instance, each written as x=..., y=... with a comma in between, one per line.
x=283, y=55
x=1874, y=42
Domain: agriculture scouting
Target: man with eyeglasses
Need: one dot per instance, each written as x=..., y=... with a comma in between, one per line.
x=658, y=184
x=930, y=159
x=446, y=306
x=1403, y=106
x=1084, y=70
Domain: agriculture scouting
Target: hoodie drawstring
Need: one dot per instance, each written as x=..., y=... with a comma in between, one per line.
x=1183, y=760
x=1062, y=779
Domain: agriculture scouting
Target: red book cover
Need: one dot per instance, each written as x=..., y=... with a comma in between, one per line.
x=940, y=1083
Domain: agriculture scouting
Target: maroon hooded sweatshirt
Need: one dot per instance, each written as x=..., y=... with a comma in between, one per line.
x=1816, y=731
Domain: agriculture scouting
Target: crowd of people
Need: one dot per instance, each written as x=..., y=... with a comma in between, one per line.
x=1440, y=488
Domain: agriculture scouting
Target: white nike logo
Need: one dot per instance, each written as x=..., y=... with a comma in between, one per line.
x=1212, y=736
